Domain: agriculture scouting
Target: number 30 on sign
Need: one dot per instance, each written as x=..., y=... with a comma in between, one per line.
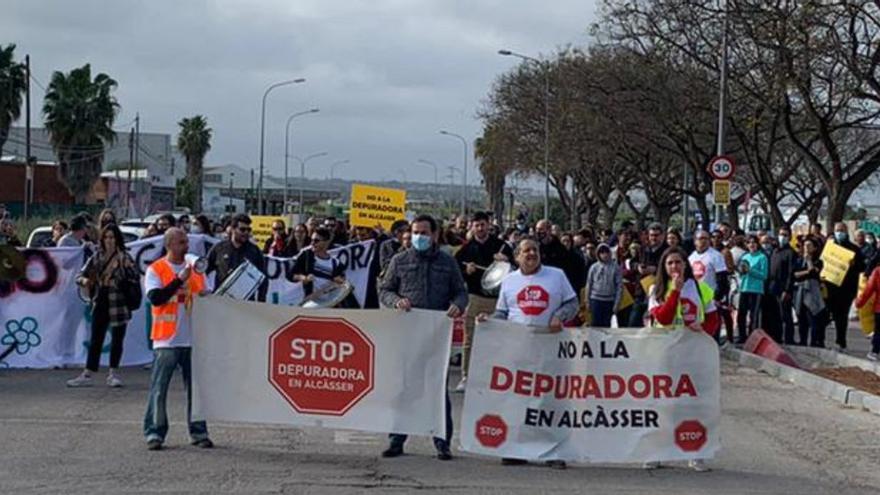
x=722, y=167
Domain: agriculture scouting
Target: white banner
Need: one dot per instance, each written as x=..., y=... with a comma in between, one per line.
x=370, y=370
x=591, y=395
x=50, y=326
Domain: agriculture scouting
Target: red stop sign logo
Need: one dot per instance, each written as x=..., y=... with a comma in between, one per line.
x=690, y=435
x=533, y=300
x=491, y=431
x=321, y=365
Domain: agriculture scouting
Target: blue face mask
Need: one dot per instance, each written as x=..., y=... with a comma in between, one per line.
x=841, y=236
x=421, y=242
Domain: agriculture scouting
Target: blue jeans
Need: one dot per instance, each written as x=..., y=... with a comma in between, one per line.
x=601, y=312
x=398, y=439
x=165, y=361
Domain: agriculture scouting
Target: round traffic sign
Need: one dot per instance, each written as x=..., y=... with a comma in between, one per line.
x=722, y=167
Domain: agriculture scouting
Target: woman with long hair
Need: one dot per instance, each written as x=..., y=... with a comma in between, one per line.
x=299, y=238
x=753, y=268
x=102, y=276
x=679, y=300
x=278, y=245
x=808, y=303
x=106, y=217
x=315, y=267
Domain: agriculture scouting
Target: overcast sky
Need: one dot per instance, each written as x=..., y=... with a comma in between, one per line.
x=387, y=75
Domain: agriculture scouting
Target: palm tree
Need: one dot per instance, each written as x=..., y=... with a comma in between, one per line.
x=194, y=141
x=494, y=150
x=79, y=112
x=13, y=84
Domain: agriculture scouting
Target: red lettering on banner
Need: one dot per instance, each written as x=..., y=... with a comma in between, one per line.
x=699, y=269
x=638, y=386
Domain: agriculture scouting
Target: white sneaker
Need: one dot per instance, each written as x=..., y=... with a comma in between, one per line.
x=873, y=356
x=113, y=380
x=650, y=465
x=698, y=465
x=83, y=380
x=461, y=385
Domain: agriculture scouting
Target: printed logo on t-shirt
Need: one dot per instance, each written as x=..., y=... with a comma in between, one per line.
x=533, y=300
x=699, y=269
x=689, y=312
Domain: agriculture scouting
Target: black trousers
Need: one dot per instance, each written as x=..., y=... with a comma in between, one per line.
x=839, y=306
x=100, y=323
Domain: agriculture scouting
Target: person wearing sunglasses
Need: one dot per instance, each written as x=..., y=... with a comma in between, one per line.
x=228, y=254
x=315, y=267
x=278, y=245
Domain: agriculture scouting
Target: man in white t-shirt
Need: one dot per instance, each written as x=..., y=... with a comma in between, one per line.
x=171, y=285
x=535, y=295
x=706, y=262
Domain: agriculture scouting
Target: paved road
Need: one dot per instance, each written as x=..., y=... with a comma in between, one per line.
x=777, y=439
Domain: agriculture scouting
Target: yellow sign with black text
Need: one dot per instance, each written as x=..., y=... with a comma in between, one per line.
x=372, y=206
x=835, y=263
x=261, y=228
x=721, y=192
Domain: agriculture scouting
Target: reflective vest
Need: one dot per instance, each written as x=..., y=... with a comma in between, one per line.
x=706, y=295
x=165, y=316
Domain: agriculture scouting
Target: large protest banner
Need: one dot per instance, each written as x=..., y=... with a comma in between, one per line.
x=590, y=395
x=49, y=325
x=380, y=371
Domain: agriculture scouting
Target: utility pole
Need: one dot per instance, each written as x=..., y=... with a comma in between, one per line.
x=722, y=104
x=130, y=161
x=133, y=161
x=28, y=170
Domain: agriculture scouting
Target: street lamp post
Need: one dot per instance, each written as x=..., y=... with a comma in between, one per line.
x=432, y=165
x=464, y=171
x=263, y=137
x=545, y=65
x=287, y=148
x=302, y=178
x=336, y=164
x=231, y=180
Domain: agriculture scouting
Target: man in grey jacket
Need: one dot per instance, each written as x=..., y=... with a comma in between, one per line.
x=427, y=278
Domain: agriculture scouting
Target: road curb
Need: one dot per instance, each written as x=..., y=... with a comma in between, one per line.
x=832, y=356
x=830, y=389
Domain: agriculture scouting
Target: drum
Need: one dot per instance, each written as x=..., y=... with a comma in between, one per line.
x=329, y=296
x=197, y=263
x=242, y=283
x=493, y=276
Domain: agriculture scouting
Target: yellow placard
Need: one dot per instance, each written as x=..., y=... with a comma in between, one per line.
x=626, y=300
x=836, y=262
x=721, y=192
x=261, y=226
x=866, y=312
x=647, y=282
x=372, y=206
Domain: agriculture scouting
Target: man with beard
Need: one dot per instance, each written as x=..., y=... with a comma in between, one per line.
x=227, y=255
x=480, y=251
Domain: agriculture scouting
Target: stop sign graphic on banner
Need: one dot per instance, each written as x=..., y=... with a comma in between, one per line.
x=491, y=431
x=690, y=435
x=321, y=365
x=533, y=300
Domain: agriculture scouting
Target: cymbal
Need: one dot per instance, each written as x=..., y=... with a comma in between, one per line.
x=12, y=264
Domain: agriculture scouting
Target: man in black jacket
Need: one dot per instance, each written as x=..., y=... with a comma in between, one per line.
x=227, y=255
x=840, y=298
x=480, y=251
x=781, y=285
x=553, y=253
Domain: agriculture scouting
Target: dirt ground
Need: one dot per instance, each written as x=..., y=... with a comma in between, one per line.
x=852, y=376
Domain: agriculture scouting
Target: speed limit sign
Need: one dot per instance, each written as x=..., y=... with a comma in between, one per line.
x=722, y=167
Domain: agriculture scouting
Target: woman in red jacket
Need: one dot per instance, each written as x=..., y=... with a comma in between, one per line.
x=873, y=289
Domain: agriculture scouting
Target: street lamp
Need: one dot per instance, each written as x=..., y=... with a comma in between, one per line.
x=231, y=180
x=287, y=147
x=302, y=178
x=545, y=65
x=464, y=171
x=336, y=164
x=263, y=137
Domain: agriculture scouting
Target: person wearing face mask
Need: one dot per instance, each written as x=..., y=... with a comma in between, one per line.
x=753, y=268
x=424, y=277
x=840, y=298
x=476, y=254
x=604, y=287
x=780, y=320
x=225, y=256
x=867, y=245
x=202, y=225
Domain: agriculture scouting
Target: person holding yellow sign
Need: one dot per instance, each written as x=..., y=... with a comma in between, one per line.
x=842, y=292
